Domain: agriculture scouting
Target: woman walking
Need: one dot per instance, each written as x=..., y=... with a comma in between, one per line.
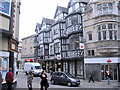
x=29, y=80
x=44, y=79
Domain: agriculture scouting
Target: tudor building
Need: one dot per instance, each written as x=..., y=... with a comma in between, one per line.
x=101, y=33
x=59, y=43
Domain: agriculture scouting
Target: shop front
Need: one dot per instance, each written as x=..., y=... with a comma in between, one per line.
x=100, y=66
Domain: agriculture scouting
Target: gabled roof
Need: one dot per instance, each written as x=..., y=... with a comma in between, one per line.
x=62, y=9
x=83, y=1
x=48, y=21
x=38, y=26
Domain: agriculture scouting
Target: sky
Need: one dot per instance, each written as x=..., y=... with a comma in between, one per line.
x=32, y=12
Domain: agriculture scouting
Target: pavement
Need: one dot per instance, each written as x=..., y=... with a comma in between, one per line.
x=84, y=83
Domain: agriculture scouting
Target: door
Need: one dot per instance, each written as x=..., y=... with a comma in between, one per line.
x=112, y=68
x=63, y=79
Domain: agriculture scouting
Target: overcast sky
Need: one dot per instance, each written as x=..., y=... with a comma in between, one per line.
x=32, y=12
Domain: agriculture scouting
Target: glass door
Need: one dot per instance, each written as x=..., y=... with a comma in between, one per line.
x=112, y=68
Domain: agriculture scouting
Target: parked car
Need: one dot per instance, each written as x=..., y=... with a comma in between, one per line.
x=64, y=78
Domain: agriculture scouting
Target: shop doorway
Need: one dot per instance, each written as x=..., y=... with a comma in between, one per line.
x=112, y=68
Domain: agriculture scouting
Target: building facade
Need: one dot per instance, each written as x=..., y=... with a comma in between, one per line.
x=28, y=49
x=9, y=35
x=19, y=61
x=102, y=40
x=60, y=42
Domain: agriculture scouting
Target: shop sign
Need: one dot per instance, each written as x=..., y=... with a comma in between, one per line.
x=109, y=61
x=81, y=45
x=5, y=7
x=28, y=60
x=58, y=57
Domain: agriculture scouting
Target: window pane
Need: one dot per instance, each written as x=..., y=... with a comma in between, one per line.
x=99, y=36
x=110, y=10
x=109, y=26
x=110, y=35
x=90, y=36
x=104, y=26
x=99, y=11
x=105, y=10
x=115, y=35
x=115, y=26
x=88, y=53
x=104, y=4
x=110, y=5
x=98, y=27
x=92, y=52
x=104, y=35
x=99, y=6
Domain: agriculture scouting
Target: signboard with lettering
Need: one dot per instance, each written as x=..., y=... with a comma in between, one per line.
x=5, y=6
x=28, y=60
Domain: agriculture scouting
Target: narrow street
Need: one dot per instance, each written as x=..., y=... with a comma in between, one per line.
x=22, y=83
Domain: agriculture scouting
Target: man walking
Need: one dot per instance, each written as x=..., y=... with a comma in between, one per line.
x=91, y=76
x=9, y=78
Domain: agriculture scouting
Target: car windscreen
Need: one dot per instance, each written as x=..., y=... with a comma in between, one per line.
x=70, y=75
x=37, y=67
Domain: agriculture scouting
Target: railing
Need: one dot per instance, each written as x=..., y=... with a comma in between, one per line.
x=74, y=28
x=73, y=53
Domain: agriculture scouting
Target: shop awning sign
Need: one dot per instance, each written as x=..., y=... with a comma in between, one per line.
x=28, y=60
x=109, y=61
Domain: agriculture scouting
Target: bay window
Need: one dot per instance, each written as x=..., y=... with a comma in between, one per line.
x=105, y=8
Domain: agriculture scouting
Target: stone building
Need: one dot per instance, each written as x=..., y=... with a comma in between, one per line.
x=102, y=40
x=28, y=49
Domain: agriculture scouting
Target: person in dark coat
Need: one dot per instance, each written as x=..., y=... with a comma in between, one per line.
x=0, y=81
x=9, y=78
x=109, y=77
x=44, y=79
x=29, y=80
x=91, y=76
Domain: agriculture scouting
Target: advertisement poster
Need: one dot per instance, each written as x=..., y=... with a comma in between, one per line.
x=5, y=7
x=4, y=68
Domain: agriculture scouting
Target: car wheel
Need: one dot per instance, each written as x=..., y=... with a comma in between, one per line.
x=69, y=84
x=52, y=81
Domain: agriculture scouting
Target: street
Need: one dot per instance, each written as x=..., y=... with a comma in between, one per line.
x=22, y=83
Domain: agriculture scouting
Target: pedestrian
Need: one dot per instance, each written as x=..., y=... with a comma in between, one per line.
x=44, y=80
x=29, y=79
x=108, y=76
x=9, y=78
x=0, y=81
x=91, y=76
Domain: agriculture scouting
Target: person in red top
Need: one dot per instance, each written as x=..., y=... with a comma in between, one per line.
x=9, y=78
